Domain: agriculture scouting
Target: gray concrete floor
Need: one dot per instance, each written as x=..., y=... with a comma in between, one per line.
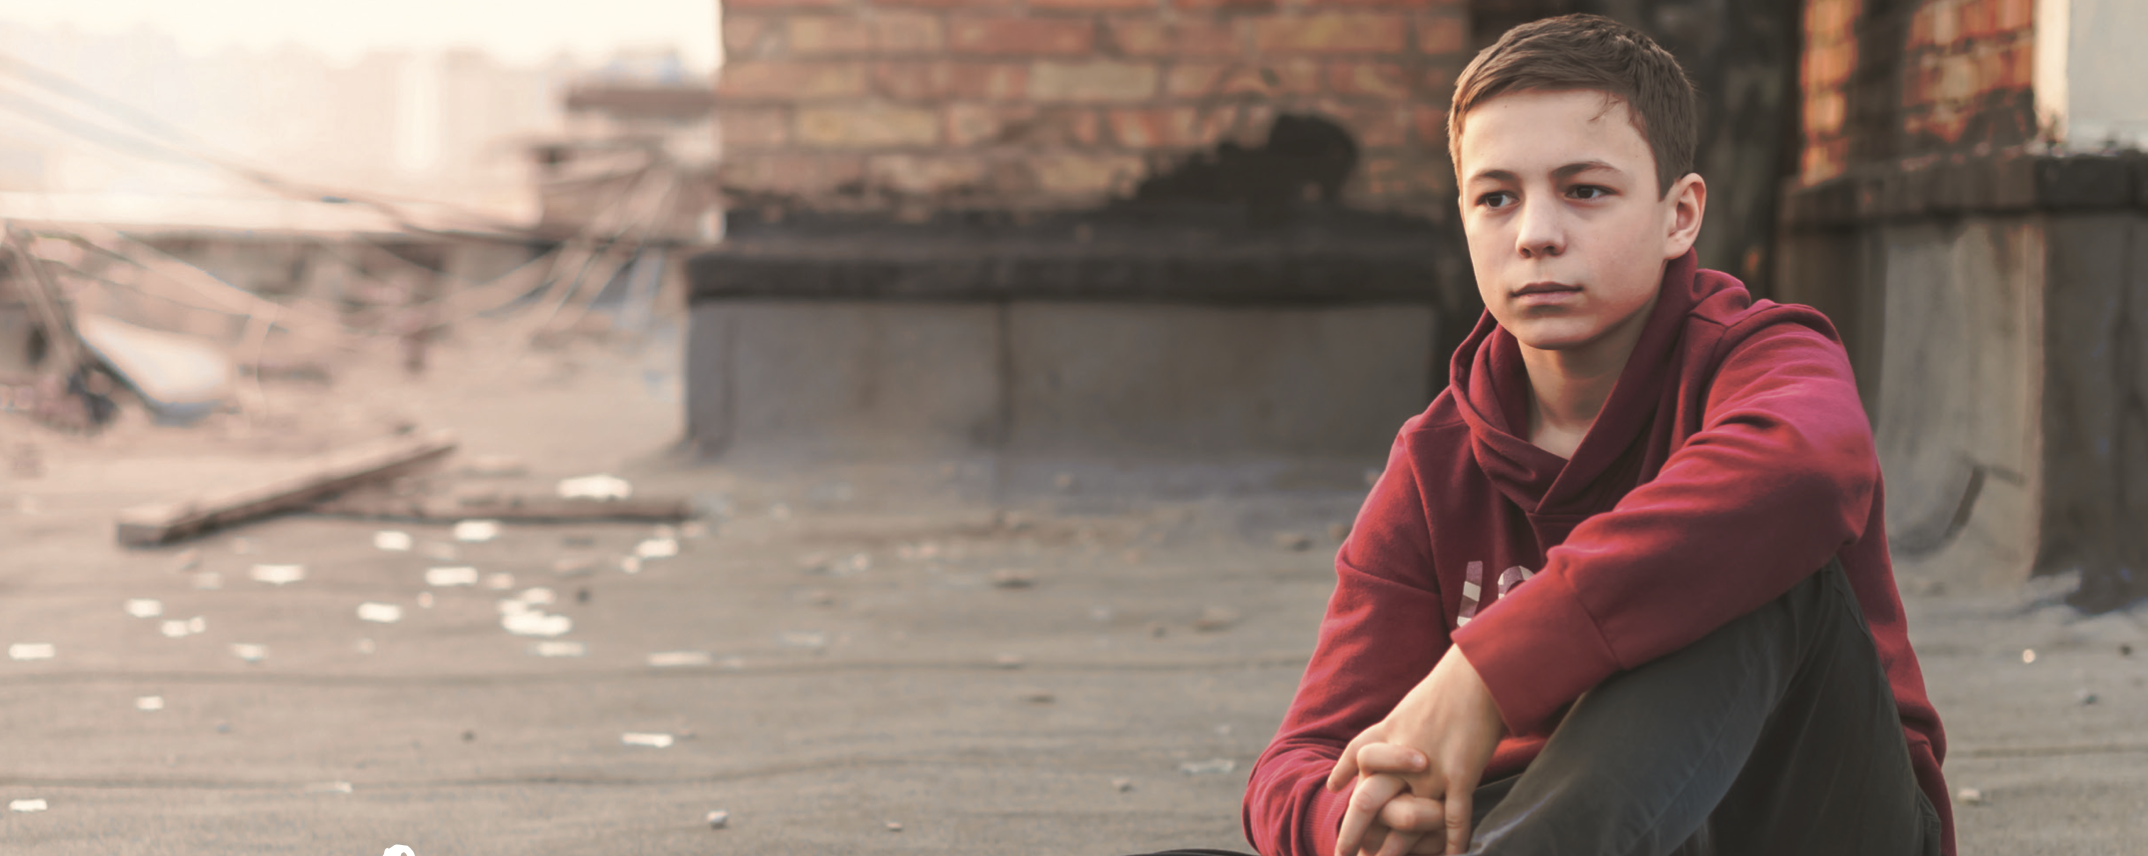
x=841, y=694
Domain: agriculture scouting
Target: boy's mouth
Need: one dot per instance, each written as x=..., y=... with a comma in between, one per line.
x=1545, y=288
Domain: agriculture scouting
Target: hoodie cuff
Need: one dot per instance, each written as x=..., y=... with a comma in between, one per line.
x=1328, y=810
x=1537, y=649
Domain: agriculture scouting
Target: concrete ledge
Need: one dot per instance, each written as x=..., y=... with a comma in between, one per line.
x=1150, y=255
x=2008, y=183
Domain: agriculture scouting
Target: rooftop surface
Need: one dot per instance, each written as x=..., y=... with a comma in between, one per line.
x=1065, y=672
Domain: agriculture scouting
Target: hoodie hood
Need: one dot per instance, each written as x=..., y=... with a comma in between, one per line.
x=1490, y=386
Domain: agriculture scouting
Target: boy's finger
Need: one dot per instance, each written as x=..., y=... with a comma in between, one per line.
x=1346, y=766
x=1364, y=807
x=1398, y=843
x=1412, y=813
x=1390, y=758
x=1458, y=805
x=1375, y=837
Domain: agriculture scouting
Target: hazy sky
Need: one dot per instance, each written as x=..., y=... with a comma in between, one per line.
x=517, y=31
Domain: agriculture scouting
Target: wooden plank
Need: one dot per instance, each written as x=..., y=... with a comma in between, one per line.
x=44, y=297
x=519, y=509
x=146, y=525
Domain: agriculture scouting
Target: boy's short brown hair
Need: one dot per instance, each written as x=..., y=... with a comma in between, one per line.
x=1589, y=52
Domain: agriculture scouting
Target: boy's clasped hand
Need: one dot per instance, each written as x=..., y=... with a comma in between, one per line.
x=1416, y=770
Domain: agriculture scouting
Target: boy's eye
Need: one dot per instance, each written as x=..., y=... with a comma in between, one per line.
x=1588, y=191
x=1498, y=199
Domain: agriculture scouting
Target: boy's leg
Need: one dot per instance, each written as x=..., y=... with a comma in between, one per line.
x=1775, y=734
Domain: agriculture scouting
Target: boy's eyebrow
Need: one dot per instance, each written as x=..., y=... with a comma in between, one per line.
x=1567, y=171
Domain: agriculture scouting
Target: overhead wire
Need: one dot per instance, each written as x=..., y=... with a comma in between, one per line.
x=149, y=136
x=178, y=144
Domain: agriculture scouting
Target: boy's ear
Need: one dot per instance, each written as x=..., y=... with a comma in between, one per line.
x=1688, y=199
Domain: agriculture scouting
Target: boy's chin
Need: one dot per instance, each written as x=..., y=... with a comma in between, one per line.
x=1560, y=335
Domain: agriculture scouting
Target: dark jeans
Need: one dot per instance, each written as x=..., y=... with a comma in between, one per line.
x=1776, y=734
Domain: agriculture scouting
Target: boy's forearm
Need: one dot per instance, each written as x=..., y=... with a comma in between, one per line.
x=1288, y=810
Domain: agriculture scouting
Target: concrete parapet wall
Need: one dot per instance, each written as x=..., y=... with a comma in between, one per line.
x=2095, y=418
x=1960, y=386
x=850, y=380
x=1996, y=312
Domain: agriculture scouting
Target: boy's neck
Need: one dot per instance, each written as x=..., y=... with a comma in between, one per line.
x=1568, y=387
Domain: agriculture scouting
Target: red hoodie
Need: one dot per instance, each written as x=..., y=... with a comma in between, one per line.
x=1731, y=460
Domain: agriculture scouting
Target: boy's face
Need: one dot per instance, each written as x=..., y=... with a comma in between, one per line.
x=1566, y=230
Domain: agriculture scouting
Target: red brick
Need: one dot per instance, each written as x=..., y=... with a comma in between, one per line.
x=1021, y=124
x=1331, y=33
x=818, y=35
x=1195, y=79
x=1831, y=65
x=790, y=81
x=742, y=33
x=971, y=124
x=1430, y=125
x=1094, y=5
x=1832, y=17
x=1087, y=176
x=1425, y=178
x=1225, y=5
x=1165, y=127
x=1920, y=28
x=946, y=4
x=1946, y=25
x=1824, y=113
x=927, y=175
x=1145, y=37
x=1823, y=159
x=1442, y=34
x=1280, y=77
x=1061, y=126
x=1437, y=82
x=1093, y=81
x=1374, y=125
x=1395, y=177
x=868, y=126
x=784, y=5
x=1977, y=19
x=2015, y=15
x=1021, y=36
x=754, y=128
x=789, y=174
x=2020, y=64
x=1398, y=4
x=941, y=80
x=907, y=32
x=1379, y=79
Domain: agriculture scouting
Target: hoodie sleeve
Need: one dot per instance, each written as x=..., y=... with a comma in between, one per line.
x=1780, y=476
x=1382, y=634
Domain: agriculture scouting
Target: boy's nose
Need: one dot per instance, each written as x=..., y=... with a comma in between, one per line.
x=1540, y=232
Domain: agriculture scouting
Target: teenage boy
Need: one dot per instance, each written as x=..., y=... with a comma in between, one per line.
x=1624, y=587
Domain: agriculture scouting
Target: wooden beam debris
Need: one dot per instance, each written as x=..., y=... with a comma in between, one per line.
x=309, y=481
x=516, y=508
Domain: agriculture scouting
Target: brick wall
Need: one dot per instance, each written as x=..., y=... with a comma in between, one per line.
x=912, y=105
x=1887, y=81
